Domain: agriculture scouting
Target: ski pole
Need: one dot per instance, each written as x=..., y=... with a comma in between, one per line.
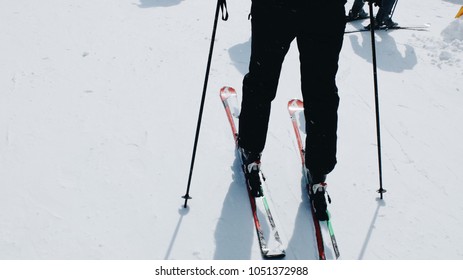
x=221, y=5
x=375, y=82
x=393, y=8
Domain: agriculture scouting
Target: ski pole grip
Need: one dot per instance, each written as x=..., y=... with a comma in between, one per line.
x=224, y=10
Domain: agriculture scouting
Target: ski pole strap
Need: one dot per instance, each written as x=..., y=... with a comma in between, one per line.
x=223, y=9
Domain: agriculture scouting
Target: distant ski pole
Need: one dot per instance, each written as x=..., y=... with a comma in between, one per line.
x=375, y=81
x=393, y=8
x=221, y=5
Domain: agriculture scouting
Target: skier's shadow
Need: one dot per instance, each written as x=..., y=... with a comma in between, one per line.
x=234, y=234
x=389, y=58
x=158, y=3
x=240, y=55
x=301, y=243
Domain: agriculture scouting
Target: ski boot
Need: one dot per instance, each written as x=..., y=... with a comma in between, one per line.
x=388, y=23
x=383, y=24
x=251, y=166
x=317, y=190
x=354, y=15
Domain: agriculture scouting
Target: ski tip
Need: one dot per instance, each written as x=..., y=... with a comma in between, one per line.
x=226, y=92
x=295, y=105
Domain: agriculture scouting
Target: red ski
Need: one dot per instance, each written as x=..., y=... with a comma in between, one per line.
x=296, y=112
x=270, y=243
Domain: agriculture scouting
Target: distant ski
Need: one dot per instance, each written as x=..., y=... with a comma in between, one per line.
x=296, y=112
x=414, y=28
x=349, y=19
x=270, y=243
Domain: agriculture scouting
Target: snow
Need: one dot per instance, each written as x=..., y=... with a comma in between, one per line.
x=98, y=110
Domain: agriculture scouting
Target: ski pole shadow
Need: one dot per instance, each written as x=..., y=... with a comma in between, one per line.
x=381, y=203
x=389, y=57
x=234, y=233
x=182, y=212
x=158, y=3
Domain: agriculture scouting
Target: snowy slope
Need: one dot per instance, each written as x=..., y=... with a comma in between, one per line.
x=98, y=108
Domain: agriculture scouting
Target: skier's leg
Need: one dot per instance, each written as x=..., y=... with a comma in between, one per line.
x=384, y=12
x=357, y=6
x=319, y=55
x=271, y=38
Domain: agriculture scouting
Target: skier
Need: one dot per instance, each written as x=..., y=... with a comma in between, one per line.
x=383, y=17
x=275, y=24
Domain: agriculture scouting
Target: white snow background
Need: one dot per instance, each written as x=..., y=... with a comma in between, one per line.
x=98, y=108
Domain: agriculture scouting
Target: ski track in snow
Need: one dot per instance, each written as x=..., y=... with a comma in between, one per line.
x=447, y=49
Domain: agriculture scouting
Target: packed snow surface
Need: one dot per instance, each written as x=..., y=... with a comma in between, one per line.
x=98, y=109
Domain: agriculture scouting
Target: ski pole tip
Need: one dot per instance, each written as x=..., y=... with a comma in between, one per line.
x=186, y=197
x=381, y=191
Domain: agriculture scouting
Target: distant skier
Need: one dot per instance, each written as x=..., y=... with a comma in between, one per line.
x=275, y=24
x=383, y=17
x=357, y=11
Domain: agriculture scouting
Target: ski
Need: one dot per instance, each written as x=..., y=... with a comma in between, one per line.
x=270, y=242
x=348, y=19
x=398, y=27
x=296, y=112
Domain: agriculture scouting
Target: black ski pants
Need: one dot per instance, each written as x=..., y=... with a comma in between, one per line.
x=384, y=11
x=319, y=30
